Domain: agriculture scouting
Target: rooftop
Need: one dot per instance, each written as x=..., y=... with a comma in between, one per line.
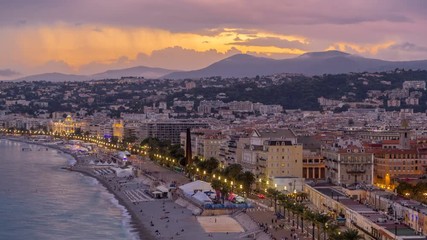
x=379, y=218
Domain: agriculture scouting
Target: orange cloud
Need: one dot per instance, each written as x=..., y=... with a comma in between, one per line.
x=358, y=48
x=83, y=44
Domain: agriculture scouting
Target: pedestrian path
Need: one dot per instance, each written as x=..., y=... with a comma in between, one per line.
x=103, y=171
x=257, y=209
x=137, y=195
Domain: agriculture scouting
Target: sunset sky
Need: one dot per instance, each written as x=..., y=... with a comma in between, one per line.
x=89, y=36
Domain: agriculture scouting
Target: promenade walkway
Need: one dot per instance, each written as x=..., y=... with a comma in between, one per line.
x=279, y=229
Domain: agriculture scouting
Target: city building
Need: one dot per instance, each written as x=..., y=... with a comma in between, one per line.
x=118, y=129
x=168, y=130
x=347, y=163
x=365, y=211
x=271, y=153
x=67, y=126
x=205, y=143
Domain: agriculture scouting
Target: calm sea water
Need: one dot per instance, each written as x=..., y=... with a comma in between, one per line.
x=39, y=200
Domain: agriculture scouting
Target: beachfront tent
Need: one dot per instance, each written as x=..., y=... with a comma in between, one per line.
x=123, y=172
x=201, y=197
x=157, y=194
x=122, y=156
x=164, y=190
x=192, y=187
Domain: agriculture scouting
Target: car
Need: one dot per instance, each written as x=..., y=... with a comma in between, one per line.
x=239, y=199
x=261, y=196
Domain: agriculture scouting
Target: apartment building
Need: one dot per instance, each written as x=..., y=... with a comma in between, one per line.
x=271, y=153
x=205, y=143
x=347, y=163
x=168, y=130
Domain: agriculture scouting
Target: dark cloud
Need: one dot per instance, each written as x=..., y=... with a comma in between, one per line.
x=189, y=15
x=8, y=73
x=182, y=59
x=176, y=58
x=270, y=41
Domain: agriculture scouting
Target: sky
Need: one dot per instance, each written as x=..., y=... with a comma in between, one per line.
x=91, y=36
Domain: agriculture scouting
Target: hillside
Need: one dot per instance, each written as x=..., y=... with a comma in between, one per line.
x=315, y=63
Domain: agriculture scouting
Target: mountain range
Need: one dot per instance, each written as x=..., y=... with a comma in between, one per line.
x=140, y=71
x=243, y=65
x=314, y=63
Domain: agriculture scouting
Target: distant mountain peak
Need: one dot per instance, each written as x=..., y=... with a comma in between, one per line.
x=325, y=54
x=240, y=56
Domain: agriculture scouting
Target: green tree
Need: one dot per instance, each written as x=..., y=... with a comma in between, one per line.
x=232, y=171
x=247, y=179
x=130, y=139
x=196, y=160
x=404, y=188
x=175, y=151
x=209, y=165
x=349, y=234
x=222, y=187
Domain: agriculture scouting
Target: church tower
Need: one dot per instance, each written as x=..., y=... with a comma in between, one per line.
x=405, y=139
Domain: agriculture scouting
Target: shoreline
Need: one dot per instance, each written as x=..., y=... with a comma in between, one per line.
x=143, y=233
x=136, y=221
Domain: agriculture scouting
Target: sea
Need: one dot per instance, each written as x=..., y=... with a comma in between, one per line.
x=39, y=200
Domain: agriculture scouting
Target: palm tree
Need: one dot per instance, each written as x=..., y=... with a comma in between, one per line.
x=311, y=216
x=351, y=234
x=273, y=194
x=287, y=203
x=299, y=209
x=321, y=221
x=333, y=233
